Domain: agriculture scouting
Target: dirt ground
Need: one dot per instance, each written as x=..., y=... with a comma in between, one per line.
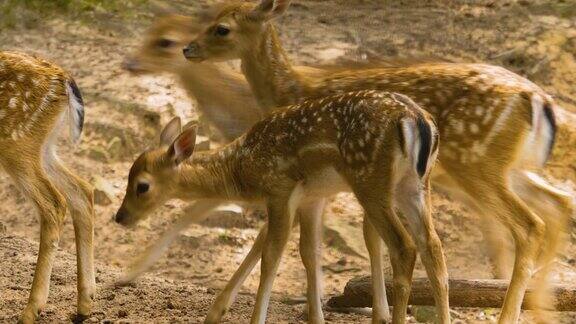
x=124, y=114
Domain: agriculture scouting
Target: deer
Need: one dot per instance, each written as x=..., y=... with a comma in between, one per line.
x=497, y=130
x=225, y=98
x=379, y=145
x=37, y=100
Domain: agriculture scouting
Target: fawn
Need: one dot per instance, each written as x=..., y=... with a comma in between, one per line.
x=379, y=145
x=224, y=97
x=37, y=99
x=495, y=126
x=226, y=100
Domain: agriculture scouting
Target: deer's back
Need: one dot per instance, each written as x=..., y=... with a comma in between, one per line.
x=323, y=137
x=30, y=88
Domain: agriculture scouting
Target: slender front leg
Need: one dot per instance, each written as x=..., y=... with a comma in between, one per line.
x=311, y=253
x=193, y=214
x=227, y=296
x=280, y=216
x=380, y=308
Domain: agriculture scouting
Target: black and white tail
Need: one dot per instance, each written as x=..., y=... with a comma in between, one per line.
x=75, y=111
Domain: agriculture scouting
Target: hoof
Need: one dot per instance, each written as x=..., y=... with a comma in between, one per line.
x=79, y=318
x=29, y=316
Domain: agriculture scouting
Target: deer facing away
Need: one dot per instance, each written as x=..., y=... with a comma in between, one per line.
x=381, y=146
x=495, y=127
x=37, y=98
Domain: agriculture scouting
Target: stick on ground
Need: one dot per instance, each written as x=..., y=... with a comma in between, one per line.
x=481, y=293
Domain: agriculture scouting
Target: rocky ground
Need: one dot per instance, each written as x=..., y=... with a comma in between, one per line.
x=534, y=38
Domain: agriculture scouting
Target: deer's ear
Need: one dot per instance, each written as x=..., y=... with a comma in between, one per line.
x=161, y=8
x=171, y=131
x=269, y=9
x=183, y=146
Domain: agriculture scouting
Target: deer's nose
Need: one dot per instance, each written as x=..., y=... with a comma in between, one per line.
x=192, y=51
x=121, y=216
x=130, y=65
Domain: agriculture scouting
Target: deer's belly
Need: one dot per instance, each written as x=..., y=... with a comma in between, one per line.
x=324, y=182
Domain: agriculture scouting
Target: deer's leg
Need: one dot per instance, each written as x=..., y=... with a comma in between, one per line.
x=555, y=208
x=527, y=230
x=51, y=206
x=193, y=214
x=281, y=212
x=496, y=237
x=311, y=253
x=500, y=252
x=413, y=200
x=79, y=197
x=379, y=212
x=374, y=244
x=228, y=294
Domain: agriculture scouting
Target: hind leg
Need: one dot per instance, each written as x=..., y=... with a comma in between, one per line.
x=79, y=197
x=497, y=238
x=311, y=253
x=380, y=213
x=374, y=244
x=413, y=200
x=555, y=208
x=51, y=206
x=496, y=197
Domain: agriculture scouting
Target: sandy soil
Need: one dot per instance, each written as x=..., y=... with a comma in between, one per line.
x=124, y=113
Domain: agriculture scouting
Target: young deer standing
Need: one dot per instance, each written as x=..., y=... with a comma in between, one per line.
x=225, y=99
x=495, y=127
x=37, y=98
x=381, y=146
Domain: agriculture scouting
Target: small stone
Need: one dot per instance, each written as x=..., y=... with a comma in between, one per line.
x=170, y=305
x=122, y=313
x=219, y=270
x=424, y=314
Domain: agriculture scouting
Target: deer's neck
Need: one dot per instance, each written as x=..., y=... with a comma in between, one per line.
x=212, y=175
x=268, y=70
x=224, y=97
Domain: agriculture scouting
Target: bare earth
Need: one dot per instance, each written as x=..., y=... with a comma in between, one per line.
x=124, y=115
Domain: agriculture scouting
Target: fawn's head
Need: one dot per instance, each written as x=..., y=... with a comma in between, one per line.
x=161, y=50
x=235, y=28
x=154, y=176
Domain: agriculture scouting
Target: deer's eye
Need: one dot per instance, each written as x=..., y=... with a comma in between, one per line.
x=142, y=188
x=165, y=43
x=222, y=30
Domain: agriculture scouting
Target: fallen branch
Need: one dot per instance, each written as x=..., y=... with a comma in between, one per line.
x=481, y=293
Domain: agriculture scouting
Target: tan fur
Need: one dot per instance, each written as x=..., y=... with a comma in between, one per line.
x=34, y=101
x=486, y=115
x=285, y=162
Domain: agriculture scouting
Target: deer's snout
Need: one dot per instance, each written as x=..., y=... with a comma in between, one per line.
x=192, y=51
x=122, y=217
x=131, y=65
